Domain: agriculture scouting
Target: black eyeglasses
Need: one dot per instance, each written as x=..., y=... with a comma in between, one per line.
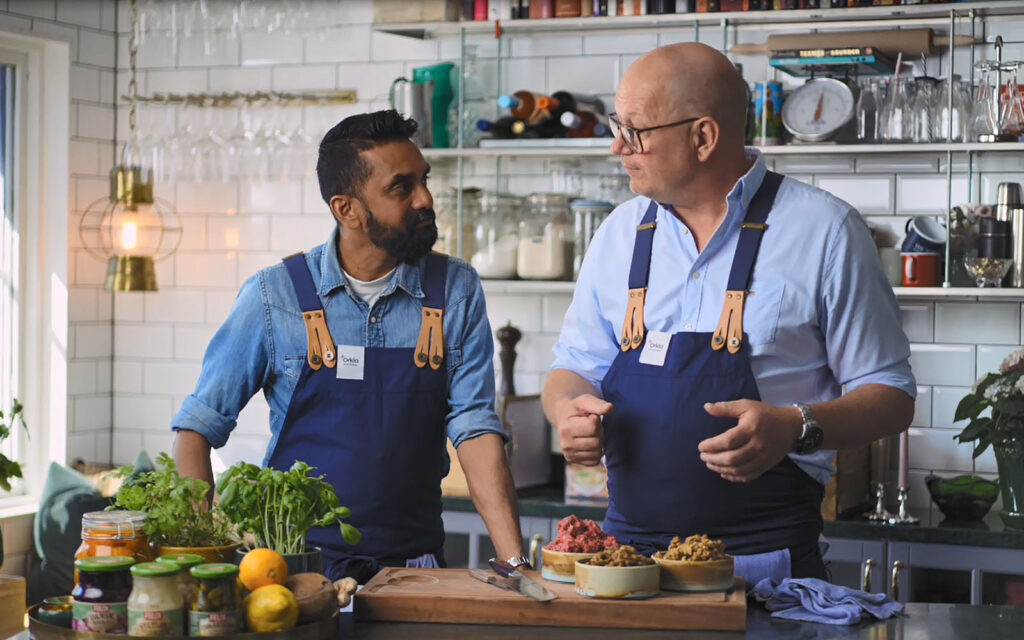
x=631, y=136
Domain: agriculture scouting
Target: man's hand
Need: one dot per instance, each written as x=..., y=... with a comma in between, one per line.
x=764, y=435
x=579, y=428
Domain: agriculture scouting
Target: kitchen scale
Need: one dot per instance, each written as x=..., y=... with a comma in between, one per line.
x=822, y=110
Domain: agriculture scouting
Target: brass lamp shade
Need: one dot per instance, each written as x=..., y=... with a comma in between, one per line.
x=131, y=273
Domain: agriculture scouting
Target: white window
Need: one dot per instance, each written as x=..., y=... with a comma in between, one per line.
x=34, y=120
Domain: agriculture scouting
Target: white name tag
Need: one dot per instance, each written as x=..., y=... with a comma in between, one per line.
x=655, y=348
x=350, y=362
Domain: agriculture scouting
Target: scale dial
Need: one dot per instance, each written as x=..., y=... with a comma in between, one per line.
x=818, y=109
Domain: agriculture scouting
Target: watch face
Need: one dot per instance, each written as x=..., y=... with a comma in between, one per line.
x=811, y=440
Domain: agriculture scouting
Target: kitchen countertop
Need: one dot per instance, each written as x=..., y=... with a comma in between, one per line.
x=549, y=502
x=931, y=621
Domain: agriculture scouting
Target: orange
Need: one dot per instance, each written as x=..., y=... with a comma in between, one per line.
x=261, y=567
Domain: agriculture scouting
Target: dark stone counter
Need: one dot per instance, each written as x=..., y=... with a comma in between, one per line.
x=548, y=502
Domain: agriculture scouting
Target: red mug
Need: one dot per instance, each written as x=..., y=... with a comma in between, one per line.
x=921, y=269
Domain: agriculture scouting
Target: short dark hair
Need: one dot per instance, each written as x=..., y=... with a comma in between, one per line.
x=340, y=167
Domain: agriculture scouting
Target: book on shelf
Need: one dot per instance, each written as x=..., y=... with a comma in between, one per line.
x=859, y=60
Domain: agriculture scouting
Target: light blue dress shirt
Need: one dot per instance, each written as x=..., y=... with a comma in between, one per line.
x=820, y=316
x=262, y=345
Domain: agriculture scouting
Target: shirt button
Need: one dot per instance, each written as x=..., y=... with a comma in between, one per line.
x=685, y=231
x=696, y=276
x=688, y=327
x=373, y=320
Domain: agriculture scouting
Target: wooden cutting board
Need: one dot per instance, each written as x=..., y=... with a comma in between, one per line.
x=453, y=596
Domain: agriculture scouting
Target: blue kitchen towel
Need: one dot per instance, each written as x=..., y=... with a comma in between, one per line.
x=814, y=600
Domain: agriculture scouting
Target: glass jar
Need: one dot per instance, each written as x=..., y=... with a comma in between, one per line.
x=567, y=177
x=446, y=208
x=101, y=594
x=495, y=239
x=114, y=533
x=587, y=215
x=213, y=609
x=155, y=606
x=184, y=562
x=545, y=238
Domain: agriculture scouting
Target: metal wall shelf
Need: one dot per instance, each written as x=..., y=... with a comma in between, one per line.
x=903, y=293
x=781, y=150
x=817, y=18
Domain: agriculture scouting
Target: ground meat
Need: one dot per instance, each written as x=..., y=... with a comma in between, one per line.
x=621, y=556
x=580, y=536
x=695, y=548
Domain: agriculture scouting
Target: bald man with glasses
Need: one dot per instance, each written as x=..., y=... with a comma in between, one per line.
x=730, y=329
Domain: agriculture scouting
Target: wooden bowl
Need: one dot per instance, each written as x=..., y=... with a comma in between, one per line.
x=560, y=566
x=617, y=582
x=696, y=575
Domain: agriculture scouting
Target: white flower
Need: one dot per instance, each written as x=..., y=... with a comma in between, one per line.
x=1013, y=362
x=998, y=390
x=1019, y=387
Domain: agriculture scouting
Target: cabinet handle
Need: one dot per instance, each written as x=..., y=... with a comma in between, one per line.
x=869, y=565
x=535, y=543
x=895, y=584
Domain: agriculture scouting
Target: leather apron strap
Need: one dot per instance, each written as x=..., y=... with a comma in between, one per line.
x=430, y=346
x=320, y=348
x=633, y=325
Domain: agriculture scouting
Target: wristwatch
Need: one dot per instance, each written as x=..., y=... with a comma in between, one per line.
x=519, y=561
x=811, y=436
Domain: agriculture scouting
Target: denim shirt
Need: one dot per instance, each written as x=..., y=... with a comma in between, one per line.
x=262, y=344
x=820, y=317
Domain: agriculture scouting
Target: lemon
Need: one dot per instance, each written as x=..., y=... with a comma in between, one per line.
x=271, y=608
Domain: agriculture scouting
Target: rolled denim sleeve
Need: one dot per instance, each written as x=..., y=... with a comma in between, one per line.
x=235, y=367
x=471, y=383
x=860, y=316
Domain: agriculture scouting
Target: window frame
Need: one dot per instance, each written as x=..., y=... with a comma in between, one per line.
x=41, y=202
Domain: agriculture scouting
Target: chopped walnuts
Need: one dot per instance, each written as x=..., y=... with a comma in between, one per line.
x=695, y=548
x=621, y=556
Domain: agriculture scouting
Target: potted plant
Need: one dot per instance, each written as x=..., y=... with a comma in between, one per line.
x=176, y=521
x=279, y=507
x=1002, y=427
x=9, y=468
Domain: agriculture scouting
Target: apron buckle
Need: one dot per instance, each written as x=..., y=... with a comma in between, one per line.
x=633, y=325
x=430, y=346
x=730, y=325
x=319, y=345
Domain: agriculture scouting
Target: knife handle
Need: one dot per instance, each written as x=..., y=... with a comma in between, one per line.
x=502, y=568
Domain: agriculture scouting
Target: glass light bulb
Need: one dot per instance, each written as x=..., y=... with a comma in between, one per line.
x=129, y=235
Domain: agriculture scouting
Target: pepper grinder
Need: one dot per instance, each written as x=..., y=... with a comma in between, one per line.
x=508, y=336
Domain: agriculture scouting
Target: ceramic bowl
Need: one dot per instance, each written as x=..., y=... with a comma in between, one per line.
x=617, y=582
x=560, y=566
x=962, y=498
x=696, y=575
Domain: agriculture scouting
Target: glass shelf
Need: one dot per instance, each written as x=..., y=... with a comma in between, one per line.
x=899, y=15
x=553, y=151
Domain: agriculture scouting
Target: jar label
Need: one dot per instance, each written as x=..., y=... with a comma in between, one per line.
x=106, y=617
x=213, y=623
x=155, y=623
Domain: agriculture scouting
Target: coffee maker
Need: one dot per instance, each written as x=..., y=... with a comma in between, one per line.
x=426, y=99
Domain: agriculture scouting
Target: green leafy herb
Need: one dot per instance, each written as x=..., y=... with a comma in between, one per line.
x=279, y=507
x=175, y=506
x=9, y=468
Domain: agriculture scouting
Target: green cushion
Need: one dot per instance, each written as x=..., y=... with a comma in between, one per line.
x=67, y=495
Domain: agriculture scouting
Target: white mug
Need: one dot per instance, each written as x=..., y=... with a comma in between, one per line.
x=892, y=265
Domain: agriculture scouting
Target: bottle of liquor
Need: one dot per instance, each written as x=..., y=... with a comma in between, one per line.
x=507, y=127
x=524, y=105
x=546, y=128
x=563, y=101
x=584, y=124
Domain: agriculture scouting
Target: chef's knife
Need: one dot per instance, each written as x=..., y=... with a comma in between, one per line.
x=524, y=585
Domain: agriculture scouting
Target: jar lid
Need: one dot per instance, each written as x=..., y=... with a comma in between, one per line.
x=104, y=564
x=155, y=569
x=113, y=517
x=182, y=560
x=214, y=570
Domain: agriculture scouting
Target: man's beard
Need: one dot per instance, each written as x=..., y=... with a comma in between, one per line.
x=408, y=244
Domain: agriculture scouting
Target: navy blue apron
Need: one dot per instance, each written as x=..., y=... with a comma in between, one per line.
x=658, y=486
x=380, y=441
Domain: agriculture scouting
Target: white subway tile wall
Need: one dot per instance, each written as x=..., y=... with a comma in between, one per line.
x=233, y=229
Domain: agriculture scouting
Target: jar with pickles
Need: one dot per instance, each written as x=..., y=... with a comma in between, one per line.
x=100, y=595
x=155, y=606
x=184, y=562
x=214, y=608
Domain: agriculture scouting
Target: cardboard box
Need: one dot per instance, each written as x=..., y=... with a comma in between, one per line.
x=12, y=605
x=423, y=11
x=849, y=491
